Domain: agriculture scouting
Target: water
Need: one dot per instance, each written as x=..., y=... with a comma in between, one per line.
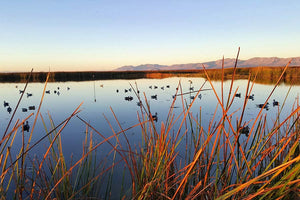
x=98, y=96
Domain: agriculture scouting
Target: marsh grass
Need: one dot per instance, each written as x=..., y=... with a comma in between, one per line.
x=179, y=159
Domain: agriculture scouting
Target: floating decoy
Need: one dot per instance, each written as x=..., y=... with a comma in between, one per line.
x=238, y=95
x=29, y=94
x=129, y=98
x=150, y=86
x=54, y=91
x=154, y=117
x=173, y=96
x=31, y=108
x=155, y=87
x=251, y=97
x=192, y=88
x=26, y=127
x=68, y=88
x=138, y=91
x=192, y=97
x=275, y=103
x=139, y=103
x=117, y=90
x=5, y=104
x=245, y=130
x=58, y=93
x=21, y=91
x=126, y=90
x=154, y=97
x=162, y=88
x=9, y=109
x=24, y=109
x=58, y=88
x=129, y=89
x=101, y=85
x=200, y=96
x=167, y=86
x=262, y=105
x=48, y=91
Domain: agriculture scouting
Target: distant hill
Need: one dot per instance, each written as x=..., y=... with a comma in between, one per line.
x=228, y=62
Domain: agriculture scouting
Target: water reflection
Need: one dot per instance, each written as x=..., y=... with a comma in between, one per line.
x=62, y=98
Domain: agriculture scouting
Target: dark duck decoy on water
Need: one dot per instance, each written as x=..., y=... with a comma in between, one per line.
x=251, y=97
x=154, y=97
x=31, y=108
x=238, y=95
x=9, y=109
x=129, y=98
x=154, y=117
x=5, y=104
x=29, y=94
x=262, y=106
x=245, y=130
x=24, y=109
x=26, y=127
x=48, y=91
x=275, y=103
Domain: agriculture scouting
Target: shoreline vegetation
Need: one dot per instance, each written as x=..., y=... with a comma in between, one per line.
x=232, y=158
x=265, y=75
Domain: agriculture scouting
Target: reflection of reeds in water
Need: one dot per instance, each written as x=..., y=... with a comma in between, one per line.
x=215, y=163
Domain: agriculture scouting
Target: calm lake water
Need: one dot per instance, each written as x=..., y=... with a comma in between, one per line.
x=98, y=96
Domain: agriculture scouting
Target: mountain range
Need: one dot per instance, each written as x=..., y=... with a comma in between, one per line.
x=228, y=62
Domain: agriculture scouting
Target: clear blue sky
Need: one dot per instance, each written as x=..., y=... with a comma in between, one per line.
x=78, y=35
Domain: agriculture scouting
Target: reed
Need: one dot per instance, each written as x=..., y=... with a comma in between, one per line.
x=178, y=159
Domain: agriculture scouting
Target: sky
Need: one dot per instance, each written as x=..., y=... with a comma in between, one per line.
x=83, y=35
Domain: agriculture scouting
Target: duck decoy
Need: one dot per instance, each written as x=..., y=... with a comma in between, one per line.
x=200, y=96
x=167, y=86
x=173, y=96
x=9, y=109
x=26, y=127
x=54, y=91
x=31, y=108
x=192, y=97
x=129, y=98
x=58, y=88
x=251, y=97
x=262, y=106
x=101, y=85
x=238, y=95
x=58, y=93
x=150, y=86
x=48, y=91
x=117, y=90
x=154, y=97
x=162, y=88
x=154, y=117
x=155, y=87
x=245, y=130
x=21, y=91
x=192, y=88
x=275, y=103
x=24, y=109
x=5, y=104
x=139, y=103
x=129, y=89
x=68, y=88
x=29, y=94
x=125, y=90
